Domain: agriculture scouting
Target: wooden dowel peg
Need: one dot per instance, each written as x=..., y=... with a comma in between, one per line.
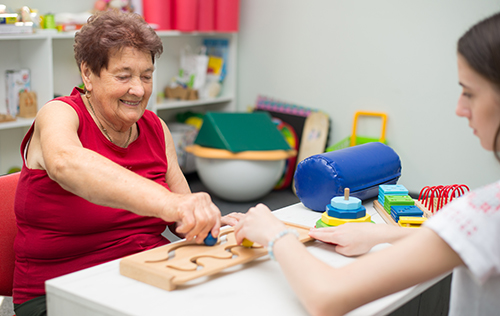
x=346, y=194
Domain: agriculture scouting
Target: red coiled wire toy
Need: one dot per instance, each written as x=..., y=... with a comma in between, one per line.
x=435, y=197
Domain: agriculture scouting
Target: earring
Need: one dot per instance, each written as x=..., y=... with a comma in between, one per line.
x=87, y=93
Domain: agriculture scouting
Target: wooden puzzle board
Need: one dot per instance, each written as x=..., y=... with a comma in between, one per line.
x=174, y=264
x=388, y=218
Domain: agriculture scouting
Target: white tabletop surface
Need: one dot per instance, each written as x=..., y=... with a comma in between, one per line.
x=256, y=288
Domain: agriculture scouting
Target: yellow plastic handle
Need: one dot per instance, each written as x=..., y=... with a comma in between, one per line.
x=383, y=116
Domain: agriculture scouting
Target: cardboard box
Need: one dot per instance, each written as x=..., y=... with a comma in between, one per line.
x=16, y=82
x=27, y=104
x=181, y=93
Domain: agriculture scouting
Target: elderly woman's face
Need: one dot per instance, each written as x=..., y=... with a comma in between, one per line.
x=124, y=88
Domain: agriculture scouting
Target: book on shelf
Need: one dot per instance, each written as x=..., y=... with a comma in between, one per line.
x=16, y=28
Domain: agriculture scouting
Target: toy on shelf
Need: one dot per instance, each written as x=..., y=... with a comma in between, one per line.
x=397, y=208
x=291, y=137
x=343, y=209
x=354, y=140
x=308, y=127
x=433, y=198
x=119, y=5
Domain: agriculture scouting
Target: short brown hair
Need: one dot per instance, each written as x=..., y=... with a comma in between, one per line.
x=109, y=31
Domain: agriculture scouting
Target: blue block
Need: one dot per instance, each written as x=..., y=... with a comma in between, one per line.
x=339, y=202
x=405, y=210
x=392, y=189
x=210, y=240
x=346, y=214
x=381, y=200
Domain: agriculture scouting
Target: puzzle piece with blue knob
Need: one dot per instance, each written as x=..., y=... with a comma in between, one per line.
x=210, y=240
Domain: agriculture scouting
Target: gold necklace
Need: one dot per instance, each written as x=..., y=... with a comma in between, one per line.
x=104, y=129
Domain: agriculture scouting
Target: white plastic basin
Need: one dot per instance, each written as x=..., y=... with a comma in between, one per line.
x=239, y=180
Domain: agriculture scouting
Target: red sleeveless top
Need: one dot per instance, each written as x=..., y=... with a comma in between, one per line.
x=59, y=232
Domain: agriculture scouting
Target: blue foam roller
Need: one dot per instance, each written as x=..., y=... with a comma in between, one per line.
x=360, y=168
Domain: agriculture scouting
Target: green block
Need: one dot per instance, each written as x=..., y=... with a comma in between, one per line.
x=320, y=224
x=393, y=200
x=238, y=132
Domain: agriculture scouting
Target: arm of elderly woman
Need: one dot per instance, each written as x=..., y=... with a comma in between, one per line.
x=325, y=290
x=56, y=148
x=177, y=182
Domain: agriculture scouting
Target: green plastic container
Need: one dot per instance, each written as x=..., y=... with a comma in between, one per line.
x=346, y=142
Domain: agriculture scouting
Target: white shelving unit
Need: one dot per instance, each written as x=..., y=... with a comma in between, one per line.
x=49, y=56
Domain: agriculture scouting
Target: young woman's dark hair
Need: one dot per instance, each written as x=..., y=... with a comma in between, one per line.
x=480, y=46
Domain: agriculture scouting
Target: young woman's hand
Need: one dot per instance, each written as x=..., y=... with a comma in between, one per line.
x=258, y=225
x=354, y=239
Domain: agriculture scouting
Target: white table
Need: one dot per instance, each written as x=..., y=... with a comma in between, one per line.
x=256, y=288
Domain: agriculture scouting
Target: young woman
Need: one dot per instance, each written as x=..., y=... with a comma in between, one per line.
x=463, y=236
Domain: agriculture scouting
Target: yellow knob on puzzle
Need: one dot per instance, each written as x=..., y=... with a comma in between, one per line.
x=247, y=243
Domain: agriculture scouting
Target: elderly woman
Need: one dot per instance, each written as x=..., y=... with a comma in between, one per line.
x=100, y=178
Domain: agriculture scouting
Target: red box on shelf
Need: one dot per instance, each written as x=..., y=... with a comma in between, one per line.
x=186, y=15
x=227, y=15
x=158, y=13
x=206, y=15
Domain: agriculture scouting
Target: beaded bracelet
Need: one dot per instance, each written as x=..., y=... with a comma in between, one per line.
x=282, y=233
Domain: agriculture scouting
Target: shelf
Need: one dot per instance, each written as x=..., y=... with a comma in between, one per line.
x=179, y=33
x=71, y=34
x=175, y=104
x=50, y=58
x=37, y=35
x=19, y=122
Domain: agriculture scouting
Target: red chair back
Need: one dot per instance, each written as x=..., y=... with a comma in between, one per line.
x=8, y=230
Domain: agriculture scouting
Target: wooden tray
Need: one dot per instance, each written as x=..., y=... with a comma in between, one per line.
x=174, y=264
x=388, y=218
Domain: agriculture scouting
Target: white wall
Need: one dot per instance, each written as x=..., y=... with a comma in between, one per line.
x=340, y=56
x=393, y=56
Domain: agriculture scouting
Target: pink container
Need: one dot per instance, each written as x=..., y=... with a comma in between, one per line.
x=206, y=15
x=159, y=13
x=186, y=15
x=227, y=15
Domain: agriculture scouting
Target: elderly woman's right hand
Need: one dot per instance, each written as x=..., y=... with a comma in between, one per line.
x=195, y=214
